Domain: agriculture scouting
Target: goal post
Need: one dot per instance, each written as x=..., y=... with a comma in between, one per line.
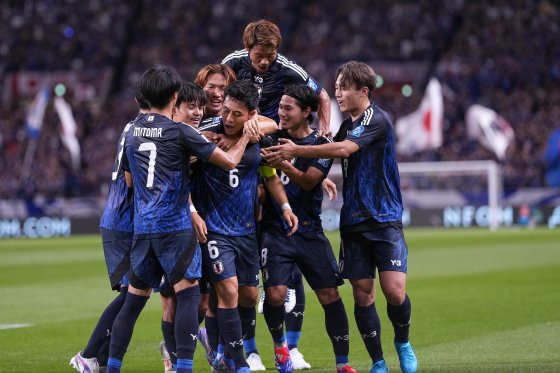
x=488, y=168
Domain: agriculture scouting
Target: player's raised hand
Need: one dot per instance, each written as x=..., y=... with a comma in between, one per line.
x=251, y=128
x=329, y=187
x=199, y=226
x=285, y=150
x=291, y=219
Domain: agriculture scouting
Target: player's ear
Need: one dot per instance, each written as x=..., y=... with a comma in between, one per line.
x=253, y=114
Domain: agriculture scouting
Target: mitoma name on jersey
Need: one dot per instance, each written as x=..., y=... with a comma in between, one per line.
x=147, y=132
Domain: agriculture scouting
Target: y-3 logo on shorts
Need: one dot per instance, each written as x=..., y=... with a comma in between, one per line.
x=193, y=337
x=396, y=262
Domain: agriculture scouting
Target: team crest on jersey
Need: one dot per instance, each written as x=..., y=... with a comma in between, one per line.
x=356, y=132
x=218, y=267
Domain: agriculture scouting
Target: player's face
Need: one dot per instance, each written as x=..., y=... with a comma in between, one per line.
x=234, y=116
x=348, y=98
x=189, y=113
x=290, y=113
x=262, y=58
x=214, y=88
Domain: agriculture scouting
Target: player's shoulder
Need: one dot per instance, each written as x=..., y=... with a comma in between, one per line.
x=291, y=66
x=374, y=115
x=235, y=56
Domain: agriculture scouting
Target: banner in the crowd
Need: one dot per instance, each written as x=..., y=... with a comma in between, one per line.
x=36, y=113
x=68, y=130
x=422, y=129
x=489, y=128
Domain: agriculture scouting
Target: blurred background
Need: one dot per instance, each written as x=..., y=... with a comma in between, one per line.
x=462, y=81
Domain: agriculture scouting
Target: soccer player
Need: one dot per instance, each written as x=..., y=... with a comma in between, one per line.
x=214, y=79
x=116, y=227
x=370, y=222
x=188, y=109
x=227, y=202
x=261, y=64
x=308, y=247
x=156, y=156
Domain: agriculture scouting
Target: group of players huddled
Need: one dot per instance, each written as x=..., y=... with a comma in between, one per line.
x=218, y=180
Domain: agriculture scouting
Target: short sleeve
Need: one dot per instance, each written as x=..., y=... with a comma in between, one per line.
x=196, y=143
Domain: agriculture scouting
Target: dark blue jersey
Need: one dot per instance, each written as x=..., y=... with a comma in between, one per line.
x=306, y=205
x=117, y=215
x=371, y=188
x=157, y=154
x=270, y=84
x=226, y=200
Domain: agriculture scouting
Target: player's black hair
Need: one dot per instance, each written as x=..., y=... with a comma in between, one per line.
x=244, y=92
x=158, y=84
x=190, y=92
x=141, y=101
x=305, y=97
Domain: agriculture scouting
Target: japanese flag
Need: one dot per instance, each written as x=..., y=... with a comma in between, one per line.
x=422, y=129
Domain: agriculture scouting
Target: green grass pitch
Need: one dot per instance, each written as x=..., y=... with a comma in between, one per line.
x=482, y=302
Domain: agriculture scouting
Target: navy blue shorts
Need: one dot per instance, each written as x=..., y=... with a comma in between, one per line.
x=226, y=256
x=154, y=255
x=116, y=248
x=362, y=252
x=310, y=251
x=193, y=272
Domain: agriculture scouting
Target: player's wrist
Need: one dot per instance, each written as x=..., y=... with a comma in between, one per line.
x=285, y=206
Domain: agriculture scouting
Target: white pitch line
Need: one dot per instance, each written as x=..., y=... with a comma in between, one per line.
x=13, y=326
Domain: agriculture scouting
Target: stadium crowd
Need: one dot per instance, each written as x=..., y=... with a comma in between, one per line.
x=502, y=54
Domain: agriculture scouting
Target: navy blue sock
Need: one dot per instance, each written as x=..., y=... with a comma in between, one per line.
x=102, y=331
x=168, y=331
x=274, y=317
x=294, y=319
x=400, y=317
x=230, y=328
x=248, y=316
x=212, y=331
x=124, y=325
x=186, y=324
x=336, y=323
x=369, y=326
x=103, y=353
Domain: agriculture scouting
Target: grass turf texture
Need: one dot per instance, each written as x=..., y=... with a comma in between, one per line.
x=481, y=302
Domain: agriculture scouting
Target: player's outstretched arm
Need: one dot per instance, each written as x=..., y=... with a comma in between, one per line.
x=230, y=159
x=305, y=180
x=288, y=150
x=324, y=114
x=276, y=190
x=267, y=126
x=198, y=223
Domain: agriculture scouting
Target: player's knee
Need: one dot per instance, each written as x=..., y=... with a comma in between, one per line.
x=275, y=296
x=168, y=305
x=394, y=294
x=248, y=297
x=328, y=295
